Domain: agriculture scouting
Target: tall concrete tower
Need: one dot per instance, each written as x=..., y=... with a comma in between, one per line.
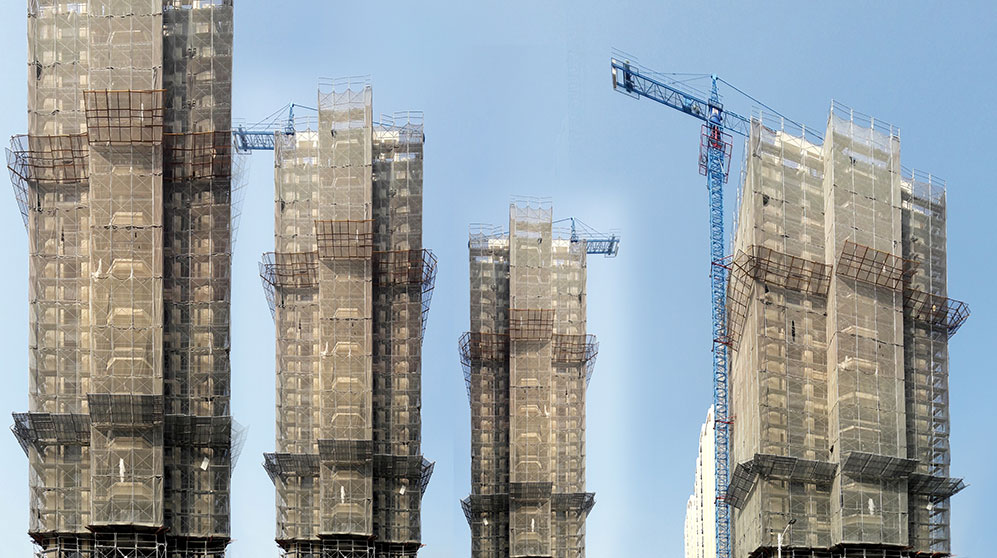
x=124, y=181
x=349, y=284
x=840, y=320
x=527, y=361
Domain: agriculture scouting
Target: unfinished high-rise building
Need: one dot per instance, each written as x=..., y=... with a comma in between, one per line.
x=349, y=284
x=123, y=179
x=527, y=361
x=700, y=510
x=839, y=321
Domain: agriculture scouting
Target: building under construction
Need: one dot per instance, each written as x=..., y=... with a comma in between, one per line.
x=839, y=322
x=123, y=179
x=527, y=361
x=349, y=284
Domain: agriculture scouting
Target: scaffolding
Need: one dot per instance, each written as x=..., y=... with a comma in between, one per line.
x=527, y=361
x=776, y=310
x=349, y=285
x=769, y=268
x=572, y=350
x=344, y=240
x=124, y=117
x=839, y=369
x=198, y=156
x=865, y=349
x=123, y=182
x=198, y=183
x=412, y=268
x=930, y=318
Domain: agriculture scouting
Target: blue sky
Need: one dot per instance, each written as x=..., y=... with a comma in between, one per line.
x=517, y=101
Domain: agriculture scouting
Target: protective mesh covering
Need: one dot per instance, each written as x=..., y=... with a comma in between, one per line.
x=57, y=219
x=930, y=318
x=865, y=323
x=839, y=377
x=197, y=77
x=123, y=182
x=770, y=268
x=349, y=285
x=198, y=155
x=527, y=360
x=125, y=117
x=778, y=372
x=404, y=276
x=345, y=239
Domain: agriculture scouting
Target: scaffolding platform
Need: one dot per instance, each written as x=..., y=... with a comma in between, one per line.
x=345, y=239
x=791, y=468
x=125, y=409
x=843, y=551
x=529, y=324
x=742, y=480
x=50, y=159
x=197, y=156
x=200, y=431
x=45, y=161
x=480, y=346
x=789, y=272
x=874, y=267
x=124, y=117
x=131, y=542
x=868, y=466
x=195, y=547
x=415, y=468
x=42, y=429
x=530, y=491
x=292, y=270
x=404, y=267
x=484, y=503
x=408, y=268
x=773, y=269
x=739, y=286
x=346, y=451
x=934, y=487
x=777, y=467
x=477, y=347
x=280, y=466
x=576, y=349
x=935, y=310
x=582, y=502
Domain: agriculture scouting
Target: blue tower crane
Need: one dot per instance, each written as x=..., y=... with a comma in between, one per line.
x=595, y=242
x=714, y=162
x=260, y=136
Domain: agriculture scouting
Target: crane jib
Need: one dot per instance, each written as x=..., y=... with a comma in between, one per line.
x=714, y=159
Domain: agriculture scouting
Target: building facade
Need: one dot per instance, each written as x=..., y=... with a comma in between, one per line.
x=700, y=510
x=527, y=361
x=124, y=181
x=839, y=322
x=349, y=284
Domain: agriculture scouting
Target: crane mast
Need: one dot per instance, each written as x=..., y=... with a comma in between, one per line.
x=714, y=162
x=717, y=156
